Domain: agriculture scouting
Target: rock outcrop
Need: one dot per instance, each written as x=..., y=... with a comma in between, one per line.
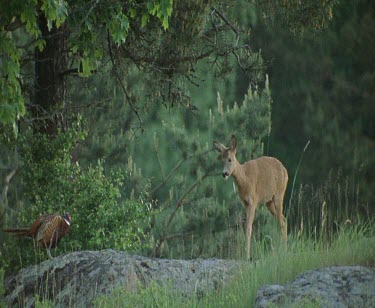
x=344, y=286
x=76, y=279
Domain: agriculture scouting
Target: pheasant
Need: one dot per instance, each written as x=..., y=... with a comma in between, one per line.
x=47, y=230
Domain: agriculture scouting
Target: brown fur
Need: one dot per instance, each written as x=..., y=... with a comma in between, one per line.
x=261, y=180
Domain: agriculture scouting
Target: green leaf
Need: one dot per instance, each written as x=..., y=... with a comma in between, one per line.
x=118, y=27
x=86, y=68
x=165, y=23
x=133, y=12
x=145, y=19
x=55, y=11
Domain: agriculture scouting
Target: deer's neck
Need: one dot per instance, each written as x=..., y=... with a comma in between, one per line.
x=239, y=175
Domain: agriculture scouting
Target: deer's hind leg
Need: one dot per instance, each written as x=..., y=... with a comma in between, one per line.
x=271, y=207
x=275, y=206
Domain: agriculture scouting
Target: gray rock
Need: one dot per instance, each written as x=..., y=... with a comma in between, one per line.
x=345, y=286
x=76, y=279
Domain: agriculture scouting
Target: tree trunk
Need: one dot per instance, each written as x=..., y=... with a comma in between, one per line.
x=50, y=84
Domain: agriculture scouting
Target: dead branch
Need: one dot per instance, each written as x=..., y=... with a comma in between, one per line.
x=222, y=17
x=175, y=168
x=167, y=177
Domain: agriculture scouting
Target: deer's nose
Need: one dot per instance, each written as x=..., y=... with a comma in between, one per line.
x=225, y=174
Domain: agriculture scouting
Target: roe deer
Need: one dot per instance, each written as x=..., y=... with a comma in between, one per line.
x=261, y=180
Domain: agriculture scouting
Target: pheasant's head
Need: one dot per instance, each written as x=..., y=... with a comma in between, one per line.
x=66, y=217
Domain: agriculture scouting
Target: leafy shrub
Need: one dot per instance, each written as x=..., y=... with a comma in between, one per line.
x=54, y=184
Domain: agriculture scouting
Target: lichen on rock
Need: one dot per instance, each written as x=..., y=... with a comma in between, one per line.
x=343, y=286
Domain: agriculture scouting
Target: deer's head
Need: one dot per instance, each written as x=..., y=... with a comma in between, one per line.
x=227, y=156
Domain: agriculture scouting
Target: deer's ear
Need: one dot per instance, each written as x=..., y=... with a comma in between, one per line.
x=219, y=147
x=233, y=143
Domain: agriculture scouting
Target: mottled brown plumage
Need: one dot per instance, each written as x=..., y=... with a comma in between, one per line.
x=47, y=230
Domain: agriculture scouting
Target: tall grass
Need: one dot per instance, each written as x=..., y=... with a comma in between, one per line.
x=312, y=212
x=322, y=210
x=352, y=245
x=328, y=226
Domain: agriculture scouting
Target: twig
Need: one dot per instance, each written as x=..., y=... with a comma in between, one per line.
x=175, y=168
x=218, y=13
x=167, y=177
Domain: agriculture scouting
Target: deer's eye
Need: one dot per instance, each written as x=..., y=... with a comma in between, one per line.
x=229, y=160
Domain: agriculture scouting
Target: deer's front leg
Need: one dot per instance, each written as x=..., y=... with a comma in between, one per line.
x=250, y=214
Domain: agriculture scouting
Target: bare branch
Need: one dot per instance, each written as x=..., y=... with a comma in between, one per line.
x=175, y=168
x=218, y=13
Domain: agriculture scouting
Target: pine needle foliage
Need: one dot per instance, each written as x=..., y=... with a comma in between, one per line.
x=194, y=203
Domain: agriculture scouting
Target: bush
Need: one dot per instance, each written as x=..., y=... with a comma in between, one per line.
x=54, y=184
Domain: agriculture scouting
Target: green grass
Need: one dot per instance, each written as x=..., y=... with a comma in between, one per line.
x=352, y=245
x=321, y=234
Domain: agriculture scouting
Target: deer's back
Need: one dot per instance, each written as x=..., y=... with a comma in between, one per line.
x=266, y=177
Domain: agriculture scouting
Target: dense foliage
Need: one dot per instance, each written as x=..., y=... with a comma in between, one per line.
x=53, y=184
x=163, y=39
x=328, y=81
x=143, y=75
x=83, y=26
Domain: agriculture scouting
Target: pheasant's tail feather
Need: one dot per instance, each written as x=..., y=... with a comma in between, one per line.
x=18, y=232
